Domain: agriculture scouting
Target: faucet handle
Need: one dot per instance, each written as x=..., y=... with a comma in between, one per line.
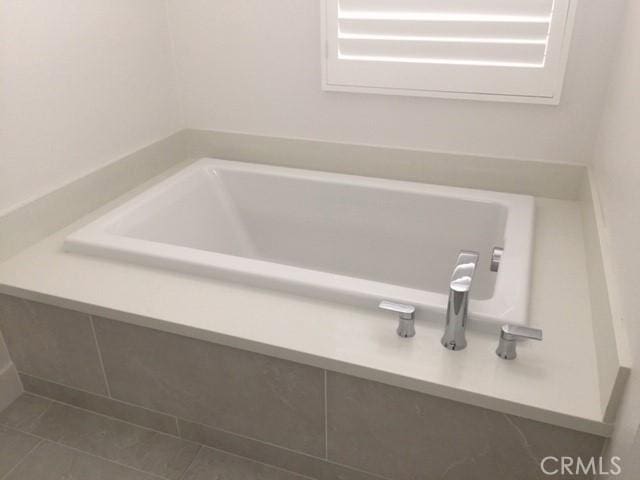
x=510, y=334
x=406, y=316
x=496, y=258
x=464, y=270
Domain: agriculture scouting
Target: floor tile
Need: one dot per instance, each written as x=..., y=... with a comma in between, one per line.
x=118, y=441
x=24, y=412
x=50, y=461
x=14, y=446
x=216, y=465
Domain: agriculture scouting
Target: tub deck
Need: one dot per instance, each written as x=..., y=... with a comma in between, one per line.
x=553, y=381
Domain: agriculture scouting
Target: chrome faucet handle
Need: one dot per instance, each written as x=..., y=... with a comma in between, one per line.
x=509, y=336
x=406, y=317
x=496, y=258
x=463, y=272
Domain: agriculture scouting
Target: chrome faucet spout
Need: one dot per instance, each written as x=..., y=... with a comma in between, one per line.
x=454, y=337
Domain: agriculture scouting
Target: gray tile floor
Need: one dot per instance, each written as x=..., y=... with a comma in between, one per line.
x=44, y=440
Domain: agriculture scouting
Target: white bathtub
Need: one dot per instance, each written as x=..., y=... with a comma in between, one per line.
x=337, y=237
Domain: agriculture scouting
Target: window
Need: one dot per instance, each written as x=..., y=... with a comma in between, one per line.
x=505, y=50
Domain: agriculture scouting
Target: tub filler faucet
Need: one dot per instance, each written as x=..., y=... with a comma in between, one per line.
x=459, y=288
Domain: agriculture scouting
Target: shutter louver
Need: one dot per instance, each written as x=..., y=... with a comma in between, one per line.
x=478, y=47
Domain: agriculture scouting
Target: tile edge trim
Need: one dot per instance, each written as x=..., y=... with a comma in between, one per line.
x=602, y=286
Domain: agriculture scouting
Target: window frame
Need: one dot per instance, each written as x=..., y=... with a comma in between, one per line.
x=555, y=84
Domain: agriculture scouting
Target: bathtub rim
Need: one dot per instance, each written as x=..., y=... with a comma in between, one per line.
x=513, y=280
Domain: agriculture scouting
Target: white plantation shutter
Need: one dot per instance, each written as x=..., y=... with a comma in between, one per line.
x=495, y=49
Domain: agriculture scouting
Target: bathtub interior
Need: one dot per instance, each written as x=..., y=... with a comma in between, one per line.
x=338, y=227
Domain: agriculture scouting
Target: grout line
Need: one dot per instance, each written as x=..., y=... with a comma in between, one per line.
x=180, y=437
x=104, y=372
x=16, y=430
x=44, y=412
x=193, y=460
x=44, y=439
x=359, y=470
x=154, y=475
x=263, y=442
x=178, y=427
x=202, y=445
x=280, y=447
x=113, y=399
x=33, y=420
x=260, y=463
x=326, y=419
x=141, y=427
x=228, y=432
x=15, y=467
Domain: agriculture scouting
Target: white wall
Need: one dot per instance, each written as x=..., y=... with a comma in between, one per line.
x=253, y=66
x=82, y=82
x=617, y=173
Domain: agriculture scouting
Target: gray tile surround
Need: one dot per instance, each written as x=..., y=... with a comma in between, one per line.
x=52, y=343
x=405, y=435
x=251, y=405
x=14, y=446
x=103, y=405
x=51, y=461
x=250, y=394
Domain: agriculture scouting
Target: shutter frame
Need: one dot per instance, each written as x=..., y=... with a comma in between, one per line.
x=512, y=67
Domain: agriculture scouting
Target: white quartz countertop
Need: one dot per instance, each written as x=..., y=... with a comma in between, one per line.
x=553, y=381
